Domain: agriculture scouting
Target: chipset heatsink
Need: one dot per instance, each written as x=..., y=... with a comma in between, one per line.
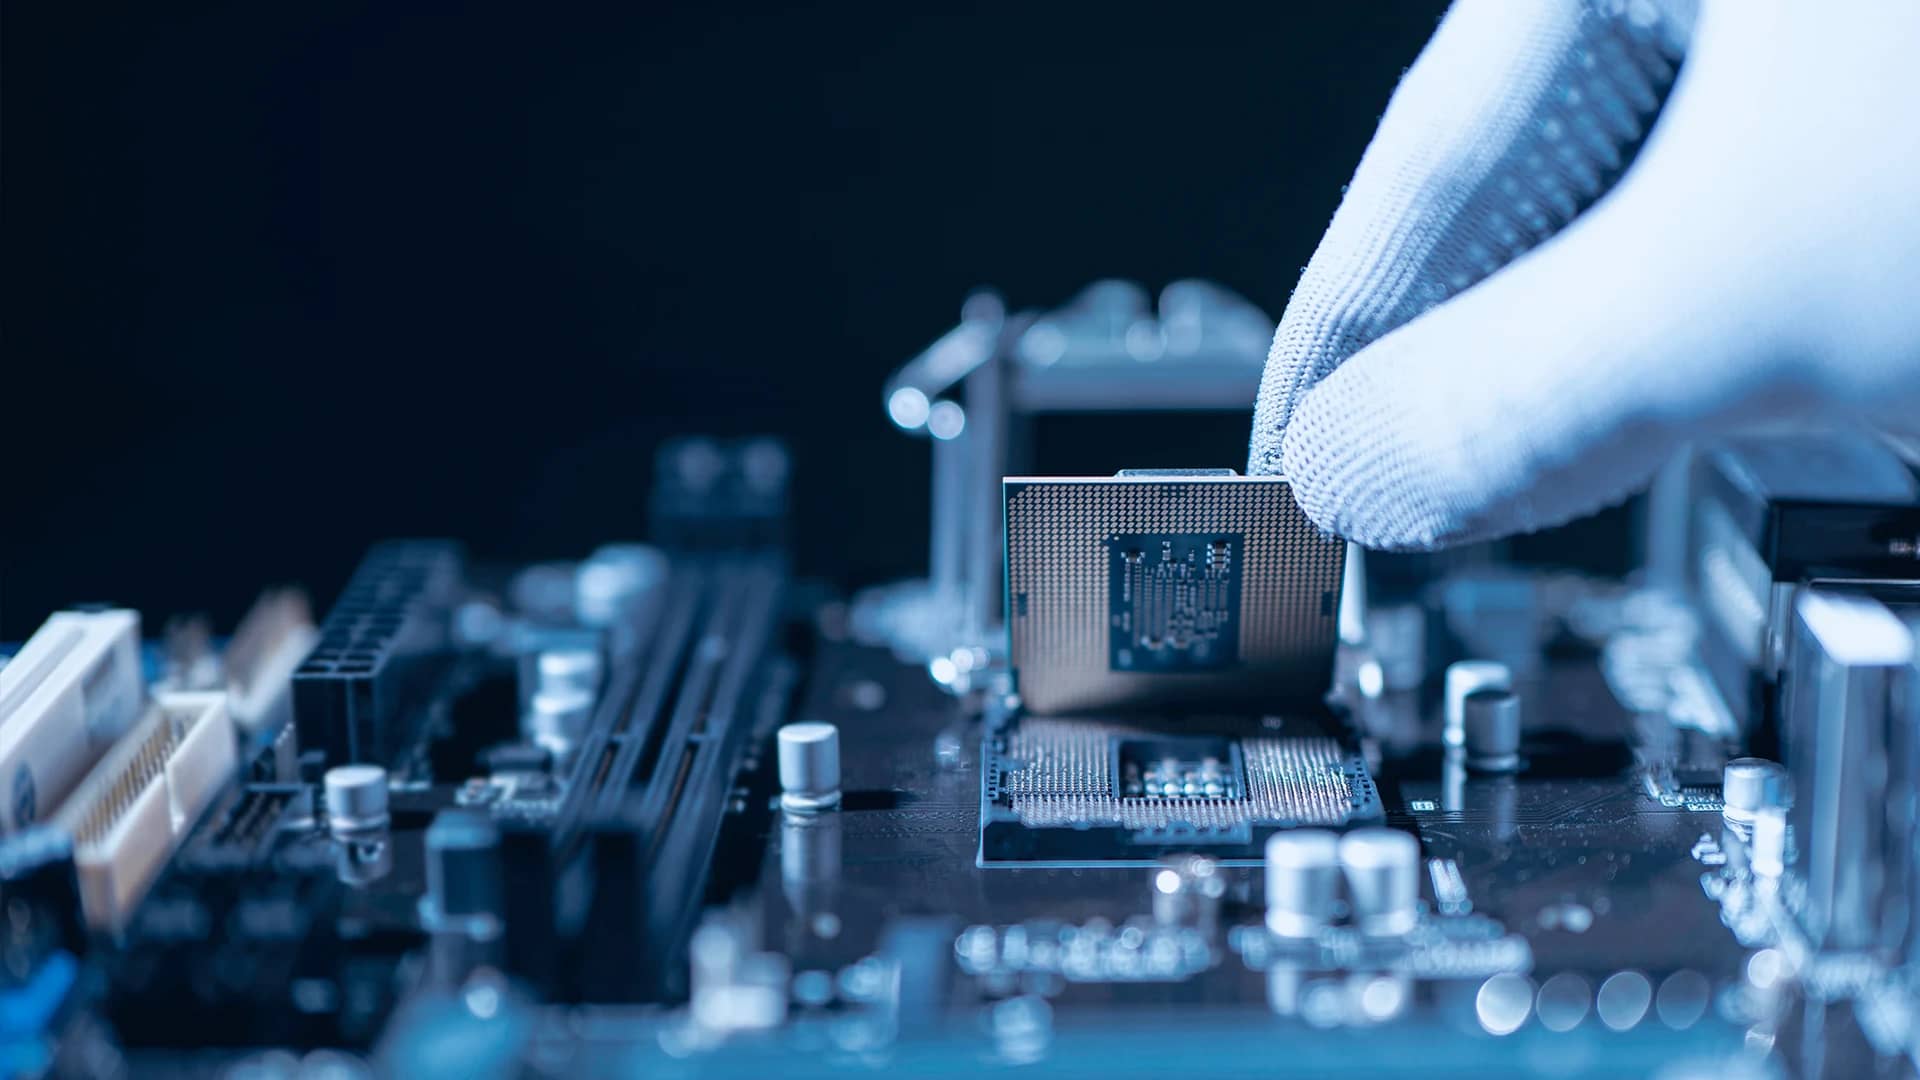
x=1154, y=588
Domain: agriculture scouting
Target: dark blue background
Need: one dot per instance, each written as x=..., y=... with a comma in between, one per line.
x=284, y=278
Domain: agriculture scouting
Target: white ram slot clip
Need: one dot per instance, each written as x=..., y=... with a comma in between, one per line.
x=74, y=688
x=132, y=812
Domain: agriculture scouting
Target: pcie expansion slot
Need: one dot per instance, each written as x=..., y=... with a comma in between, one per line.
x=133, y=810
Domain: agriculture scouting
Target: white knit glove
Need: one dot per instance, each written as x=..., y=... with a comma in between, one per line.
x=1496, y=336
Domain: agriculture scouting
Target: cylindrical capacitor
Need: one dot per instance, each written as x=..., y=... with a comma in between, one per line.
x=1463, y=678
x=1492, y=730
x=355, y=797
x=1398, y=637
x=568, y=669
x=615, y=580
x=809, y=766
x=463, y=865
x=1187, y=891
x=1748, y=785
x=1303, y=881
x=558, y=719
x=1383, y=879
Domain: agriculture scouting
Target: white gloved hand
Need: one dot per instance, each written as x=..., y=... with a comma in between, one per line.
x=1479, y=347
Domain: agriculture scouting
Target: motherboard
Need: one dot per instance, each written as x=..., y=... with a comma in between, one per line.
x=1148, y=777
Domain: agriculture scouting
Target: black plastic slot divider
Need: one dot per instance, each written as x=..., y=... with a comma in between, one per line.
x=640, y=734
x=701, y=718
x=641, y=678
x=680, y=815
x=682, y=862
x=722, y=626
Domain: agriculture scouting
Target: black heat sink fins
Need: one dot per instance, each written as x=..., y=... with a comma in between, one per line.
x=382, y=646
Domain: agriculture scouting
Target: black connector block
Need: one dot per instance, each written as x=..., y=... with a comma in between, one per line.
x=382, y=646
x=720, y=495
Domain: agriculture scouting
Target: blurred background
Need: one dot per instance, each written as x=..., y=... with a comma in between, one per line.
x=285, y=279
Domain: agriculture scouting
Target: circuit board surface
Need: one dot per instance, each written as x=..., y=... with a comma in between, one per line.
x=491, y=819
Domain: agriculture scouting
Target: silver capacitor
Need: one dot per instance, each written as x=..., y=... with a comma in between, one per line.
x=1303, y=881
x=809, y=766
x=1187, y=890
x=1492, y=728
x=1463, y=678
x=557, y=720
x=1398, y=636
x=568, y=669
x=1748, y=785
x=1383, y=879
x=355, y=797
x=615, y=580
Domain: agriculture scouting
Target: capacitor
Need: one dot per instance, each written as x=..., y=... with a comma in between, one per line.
x=809, y=766
x=1187, y=891
x=557, y=719
x=614, y=580
x=568, y=669
x=1749, y=784
x=1383, y=879
x=1463, y=678
x=1397, y=635
x=1303, y=881
x=356, y=798
x=463, y=866
x=1492, y=726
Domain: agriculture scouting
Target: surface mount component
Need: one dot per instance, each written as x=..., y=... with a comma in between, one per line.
x=74, y=687
x=1162, y=588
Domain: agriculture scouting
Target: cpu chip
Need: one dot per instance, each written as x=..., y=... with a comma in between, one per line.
x=1152, y=589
